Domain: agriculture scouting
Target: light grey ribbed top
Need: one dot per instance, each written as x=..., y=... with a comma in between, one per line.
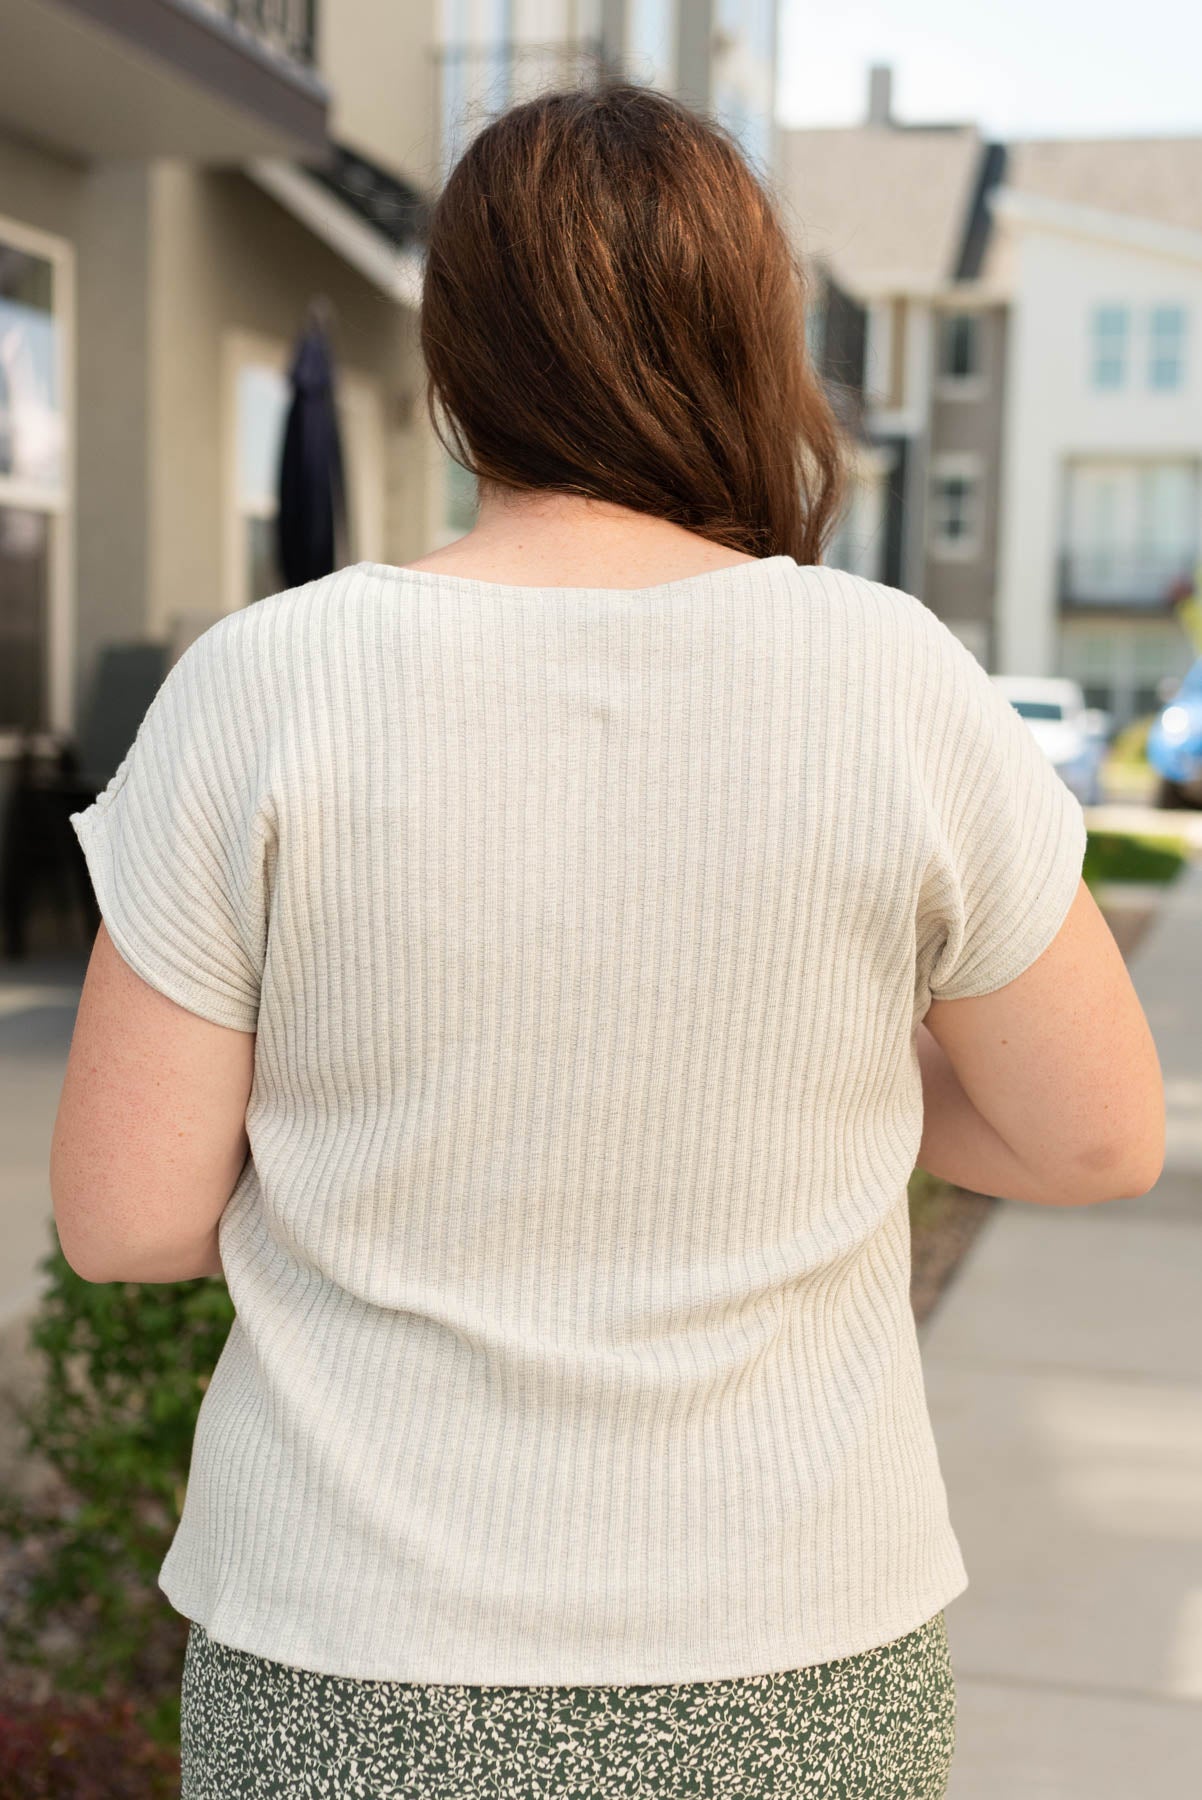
x=585, y=932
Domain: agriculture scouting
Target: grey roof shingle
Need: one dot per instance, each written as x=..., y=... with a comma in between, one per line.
x=1148, y=178
x=888, y=206
x=881, y=203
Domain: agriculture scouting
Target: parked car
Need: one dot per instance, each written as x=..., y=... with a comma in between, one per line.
x=1072, y=735
x=1175, y=743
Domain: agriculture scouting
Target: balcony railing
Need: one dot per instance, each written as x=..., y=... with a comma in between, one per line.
x=1149, y=581
x=286, y=27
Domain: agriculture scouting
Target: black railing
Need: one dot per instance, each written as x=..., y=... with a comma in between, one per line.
x=287, y=27
x=1149, y=581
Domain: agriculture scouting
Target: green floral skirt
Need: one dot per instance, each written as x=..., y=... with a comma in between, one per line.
x=879, y=1725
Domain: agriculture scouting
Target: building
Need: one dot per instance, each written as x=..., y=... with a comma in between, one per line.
x=1029, y=383
x=1100, y=247
x=894, y=211
x=178, y=182
x=175, y=188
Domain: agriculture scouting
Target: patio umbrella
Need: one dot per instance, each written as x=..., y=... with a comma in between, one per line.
x=311, y=521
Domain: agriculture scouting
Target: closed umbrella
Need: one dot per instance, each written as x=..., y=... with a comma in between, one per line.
x=311, y=521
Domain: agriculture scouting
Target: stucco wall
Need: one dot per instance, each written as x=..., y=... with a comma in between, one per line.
x=224, y=257
x=112, y=398
x=39, y=188
x=379, y=64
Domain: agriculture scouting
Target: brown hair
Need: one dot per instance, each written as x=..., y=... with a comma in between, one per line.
x=611, y=307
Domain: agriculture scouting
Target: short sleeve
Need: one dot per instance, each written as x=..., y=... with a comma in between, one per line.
x=1008, y=835
x=177, y=845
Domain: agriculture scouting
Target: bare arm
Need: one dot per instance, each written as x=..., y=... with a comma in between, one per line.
x=1049, y=1089
x=150, y=1137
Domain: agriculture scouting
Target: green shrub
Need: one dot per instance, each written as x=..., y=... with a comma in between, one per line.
x=123, y=1369
x=927, y=1195
x=1124, y=856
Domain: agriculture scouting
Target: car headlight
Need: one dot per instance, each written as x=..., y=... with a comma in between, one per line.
x=1174, y=724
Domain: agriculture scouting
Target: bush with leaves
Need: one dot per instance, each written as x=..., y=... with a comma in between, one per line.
x=122, y=1370
x=1130, y=856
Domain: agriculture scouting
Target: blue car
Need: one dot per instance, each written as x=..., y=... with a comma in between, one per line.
x=1175, y=743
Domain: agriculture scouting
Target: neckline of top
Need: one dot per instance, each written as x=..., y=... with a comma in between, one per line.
x=474, y=582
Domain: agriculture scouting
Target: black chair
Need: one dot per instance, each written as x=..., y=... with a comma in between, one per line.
x=38, y=846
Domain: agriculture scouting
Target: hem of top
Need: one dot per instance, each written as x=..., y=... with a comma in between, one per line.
x=903, y=1624
x=191, y=995
x=474, y=582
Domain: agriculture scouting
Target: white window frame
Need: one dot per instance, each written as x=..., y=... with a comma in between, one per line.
x=1154, y=354
x=361, y=421
x=57, y=503
x=957, y=465
x=960, y=387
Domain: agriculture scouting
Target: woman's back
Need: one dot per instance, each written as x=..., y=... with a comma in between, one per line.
x=585, y=936
x=575, y=915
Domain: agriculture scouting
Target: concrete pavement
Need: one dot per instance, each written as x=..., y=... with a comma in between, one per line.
x=1064, y=1374
x=38, y=1001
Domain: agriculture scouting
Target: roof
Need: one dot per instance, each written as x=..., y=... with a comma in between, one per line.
x=892, y=207
x=1158, y=178
x=1156, y=181
x=886, y=206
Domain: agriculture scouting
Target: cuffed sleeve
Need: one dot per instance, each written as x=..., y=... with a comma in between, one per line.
x=177, y=843
x=1007, y=833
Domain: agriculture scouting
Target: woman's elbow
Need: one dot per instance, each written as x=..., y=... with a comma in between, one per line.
x=1114, y=1171
x=82, y=1257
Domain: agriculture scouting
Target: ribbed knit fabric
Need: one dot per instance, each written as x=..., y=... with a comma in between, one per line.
x=586, y=933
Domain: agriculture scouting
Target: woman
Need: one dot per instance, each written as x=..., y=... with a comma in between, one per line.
x=531, y=976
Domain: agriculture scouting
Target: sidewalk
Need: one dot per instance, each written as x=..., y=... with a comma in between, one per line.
x=38, y=1000
x=1064, y=1374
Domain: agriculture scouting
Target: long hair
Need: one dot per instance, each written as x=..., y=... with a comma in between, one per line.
x=611, y=307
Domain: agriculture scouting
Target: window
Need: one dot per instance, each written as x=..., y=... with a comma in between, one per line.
x=815, y=323
x=743, y=96
x=960, y=348
x=955, y=522
x=1131, y=530
x=651, y=42
x=34, y=500
x=885, y=353
x=1166, y=347
x=262, y=409
x=1109, y=353
x=476, y=57
x=459, y=497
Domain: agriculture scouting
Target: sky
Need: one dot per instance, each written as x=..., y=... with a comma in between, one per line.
x=1018, y=68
